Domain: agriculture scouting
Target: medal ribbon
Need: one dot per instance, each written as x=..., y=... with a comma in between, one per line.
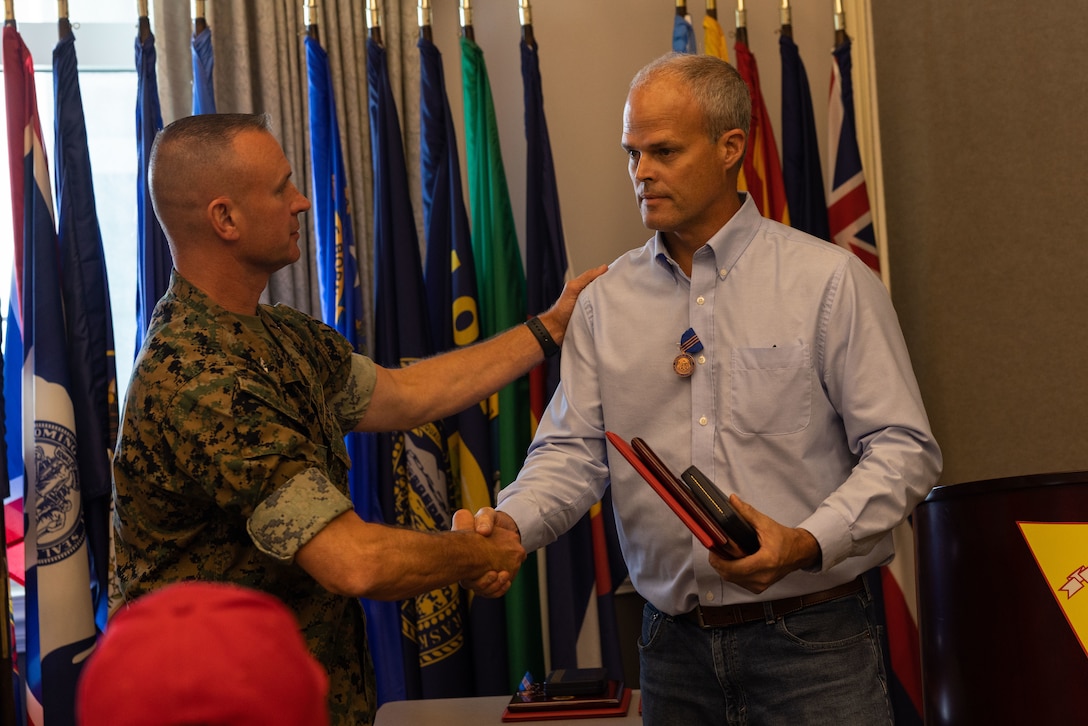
x=689, y=342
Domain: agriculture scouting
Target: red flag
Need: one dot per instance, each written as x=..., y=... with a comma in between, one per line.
x=762, y=169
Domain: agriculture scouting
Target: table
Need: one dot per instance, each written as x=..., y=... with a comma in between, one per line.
x=479, y=710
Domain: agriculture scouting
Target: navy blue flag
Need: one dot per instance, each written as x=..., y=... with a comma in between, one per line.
x=802, y=174
x=578, y=595
x=153, y=263
x=60, y=624
x=88, y=315
x=342, y=308
x=413, y=465
x=450, y=276
x=203, y=64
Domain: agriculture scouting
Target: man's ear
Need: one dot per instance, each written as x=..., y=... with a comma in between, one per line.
x=220, y=212
x=731, y=146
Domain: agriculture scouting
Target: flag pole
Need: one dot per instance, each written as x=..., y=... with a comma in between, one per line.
x=840, y=24
x=681, y=8
x=309, y=10
x=466, y=19
x=712, y=8
x=423, y=11
x=525, y=11
x=374, y=20
x=9, y=12
x=742, y=23
x=199, y=21
x=786, y=18
x=64, y=28
x=144, y=20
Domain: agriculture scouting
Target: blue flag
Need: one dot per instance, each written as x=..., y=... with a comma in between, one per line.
x=203, y=64
x=342, y=308
x=413, y=465
x=60, y=625
x=153, y=263
x=802, y=174
x=576, y=589
x=88, y=316
x=683, y=35
x=450, y=276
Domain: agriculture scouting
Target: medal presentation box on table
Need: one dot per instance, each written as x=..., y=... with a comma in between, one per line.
x=535, y=704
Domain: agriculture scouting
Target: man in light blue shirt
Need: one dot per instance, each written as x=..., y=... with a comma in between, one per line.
x=801, y=402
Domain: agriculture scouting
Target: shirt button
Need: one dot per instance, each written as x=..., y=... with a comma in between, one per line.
x=723, y=272
x=702, y=421
x=710, y=597
x=700, y=300
x=702, y=359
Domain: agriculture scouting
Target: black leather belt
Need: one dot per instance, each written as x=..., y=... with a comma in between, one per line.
x=750, y=612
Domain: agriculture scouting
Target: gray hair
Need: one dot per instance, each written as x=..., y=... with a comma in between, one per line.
x=716, y=86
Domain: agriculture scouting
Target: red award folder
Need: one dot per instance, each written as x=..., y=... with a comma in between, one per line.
x=614, y=701
x=676, y=494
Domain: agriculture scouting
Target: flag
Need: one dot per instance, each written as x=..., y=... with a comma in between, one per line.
x=848, y=204
x=413, y=465
x=802, y=175
x=582, y=625
x=153, y=263
x=88, y=316
x=851, y=227
x=762, y=170
x=683, y=35
x=203, y=63
x=342, y=308
x=501, y=281
x=60, y=626
x=450, y=277
x=714, y=39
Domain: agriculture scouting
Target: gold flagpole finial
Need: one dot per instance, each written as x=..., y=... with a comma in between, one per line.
x=423, y=12
x=64, y=27
x=141, y=8
x=712, y=8
x=309, y=18
x=742, y=15
x=525, y=12
x=9, y=12
x=466, y=18
x=784, y=13
x=374, y=19
x=840, y=17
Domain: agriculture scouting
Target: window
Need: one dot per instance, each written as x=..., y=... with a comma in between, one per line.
x=107, y=78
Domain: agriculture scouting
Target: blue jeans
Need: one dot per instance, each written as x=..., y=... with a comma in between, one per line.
x=820, y=665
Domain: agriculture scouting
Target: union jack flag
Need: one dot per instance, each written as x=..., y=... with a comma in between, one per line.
x=848, y=204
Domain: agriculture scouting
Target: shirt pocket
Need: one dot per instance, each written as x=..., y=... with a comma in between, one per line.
x=771, y=390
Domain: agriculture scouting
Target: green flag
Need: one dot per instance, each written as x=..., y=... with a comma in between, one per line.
x=500, y=281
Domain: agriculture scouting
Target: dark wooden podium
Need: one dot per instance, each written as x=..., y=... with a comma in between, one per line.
x=996, y=647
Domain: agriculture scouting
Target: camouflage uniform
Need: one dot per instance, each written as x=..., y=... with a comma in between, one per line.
x=231, y=457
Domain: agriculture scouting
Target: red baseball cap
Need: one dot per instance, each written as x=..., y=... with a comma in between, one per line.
x=202, y=653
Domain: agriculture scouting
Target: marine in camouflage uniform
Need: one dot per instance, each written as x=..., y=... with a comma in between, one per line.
x=231, y=457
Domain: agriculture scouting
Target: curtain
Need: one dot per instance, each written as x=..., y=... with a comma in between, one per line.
x=260, y=66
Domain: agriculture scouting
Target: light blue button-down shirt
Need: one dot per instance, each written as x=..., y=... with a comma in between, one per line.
x=803, y=402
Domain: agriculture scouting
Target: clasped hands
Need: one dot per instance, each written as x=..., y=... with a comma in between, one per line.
x=782, y=550
x=499, y=529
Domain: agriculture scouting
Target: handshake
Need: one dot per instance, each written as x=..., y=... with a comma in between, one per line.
x=502, y=541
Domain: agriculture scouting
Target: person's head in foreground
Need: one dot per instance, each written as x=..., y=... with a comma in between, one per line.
x=202, y=654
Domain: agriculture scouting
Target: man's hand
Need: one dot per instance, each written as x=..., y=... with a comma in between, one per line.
x=781, y=551
x=507, y=556
x=558, y=315
x=491, y=524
